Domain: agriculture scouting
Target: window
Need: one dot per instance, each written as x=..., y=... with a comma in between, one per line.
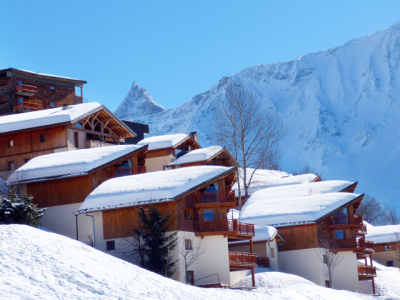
x=10, y=143
x=20, y=99
x=11, y=165
x=327, y=284
x=51, y=87
x=190, y=277
x=272, y=252
x=188, y=245
x=325, y=259
x=188, y=214
x=76, y=139
x=340, y=234
x=19, y=82
x=208, y=215
x=389, y=263
x=387, y=248
x=110, y=245
x=52, y=104
x=42, y=138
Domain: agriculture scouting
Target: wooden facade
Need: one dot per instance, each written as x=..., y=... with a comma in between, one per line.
x=22, y=91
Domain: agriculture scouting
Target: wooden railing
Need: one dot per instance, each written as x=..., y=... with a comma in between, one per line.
x=3, y=81
x=26, y=106
x=353, y=243
x=366, y=270
x=78, y=99
x=242, y=259
x=125, y=171
x=241, y=227
x=214, y=197
x=26, y=89
x=369, y=244
x=344, y=219
x=263, y=261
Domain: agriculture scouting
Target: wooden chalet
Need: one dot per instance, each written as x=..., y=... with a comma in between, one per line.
x=62, y=181
x=166, y=148
x=22, y=91
x=28, y=135
x=199, y=198
x=321, y=215
x=213, y=156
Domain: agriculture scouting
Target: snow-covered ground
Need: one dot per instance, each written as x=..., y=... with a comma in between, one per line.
x=35, y=264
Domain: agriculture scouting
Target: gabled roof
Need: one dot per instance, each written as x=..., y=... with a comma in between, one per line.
x=70, y=163
x=271, y=178
x=164, y=141
x=41, y=75
x=56, y=116
x=296, y=204
x=202, y=154
x=383, y=234
x=151, y=187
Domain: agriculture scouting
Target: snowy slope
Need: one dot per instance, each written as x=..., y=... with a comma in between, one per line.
x=340, y=108
x=39, y=265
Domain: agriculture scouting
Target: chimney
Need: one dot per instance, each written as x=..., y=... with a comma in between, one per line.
x=193, y=134
x=65, y=107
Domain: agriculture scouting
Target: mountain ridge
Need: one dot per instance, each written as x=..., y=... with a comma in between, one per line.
x=340, y=107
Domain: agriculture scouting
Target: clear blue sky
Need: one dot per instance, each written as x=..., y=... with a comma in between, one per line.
x=175, y=49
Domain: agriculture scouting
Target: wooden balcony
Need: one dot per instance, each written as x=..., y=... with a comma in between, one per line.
x=25, y=90
x=26, y=106
x=210, y=199
x=366, y=271
x=263, y=261
x=78, y=99
x=125, y=171
x=226, y=227
x=346, y=220
x=3, y=81
x=357, y=245
x=242, y=261
x=362, y=230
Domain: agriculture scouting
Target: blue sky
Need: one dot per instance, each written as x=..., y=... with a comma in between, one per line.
x=175, y=49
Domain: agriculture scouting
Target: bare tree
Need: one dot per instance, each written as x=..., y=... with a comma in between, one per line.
x=249, y=131
x=377, y=214
x=190, y=250
x=328, y=255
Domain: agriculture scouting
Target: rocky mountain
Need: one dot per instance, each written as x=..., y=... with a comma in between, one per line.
x=341, y=109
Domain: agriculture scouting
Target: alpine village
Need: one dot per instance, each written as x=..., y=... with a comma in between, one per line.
x=200, y=216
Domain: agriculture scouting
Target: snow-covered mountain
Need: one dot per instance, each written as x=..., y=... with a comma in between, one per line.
x=341, y=109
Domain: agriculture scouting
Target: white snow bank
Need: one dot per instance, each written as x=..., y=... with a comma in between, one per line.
x=276, y=285
x=264, y=233
x=46, y=117
x=69, y=163
x=149, y=187
x=382, y=234
x=270, y=178
x=39, y=265
x=198, y=155
x=163, y=141
x=261, y=209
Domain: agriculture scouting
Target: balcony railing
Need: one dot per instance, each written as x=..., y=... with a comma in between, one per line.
x=3, y=81
x=369, y=245
x=24, y=89
x=344, y=220
x=125, y=171
x=78, y=99
x=366, y=270
x=225, y=225
x=214, y=197
x=354, y=243
x=241, y=227
x=263, y=261
x=26, y=106
x=242, y=259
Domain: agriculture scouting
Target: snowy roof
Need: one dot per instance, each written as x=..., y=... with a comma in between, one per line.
x=151, y=187
x=383, y=234
x=264, y=233
x=69, y=163
x=295, y=204
x=56, y=77
x=201, y=154
x=47, y=117
x=163, y=141
x=266, y=178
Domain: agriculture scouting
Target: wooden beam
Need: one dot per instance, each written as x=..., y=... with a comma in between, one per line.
x=115, y=126
x=95, y=132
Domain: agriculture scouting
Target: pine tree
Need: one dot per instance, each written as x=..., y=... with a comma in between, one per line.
x=15, y=209
x=157, y=241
